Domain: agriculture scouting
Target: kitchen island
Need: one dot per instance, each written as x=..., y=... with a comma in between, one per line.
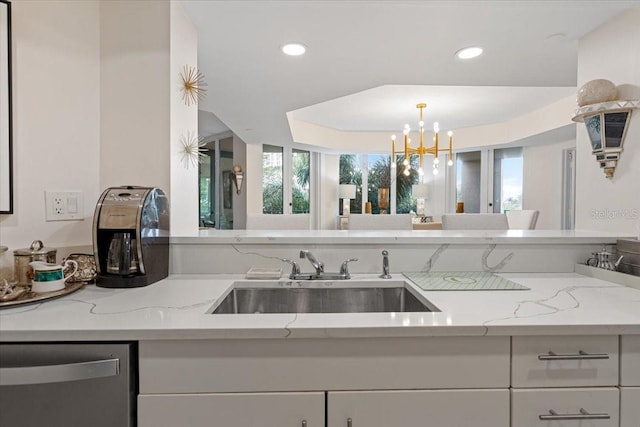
x=567, y=345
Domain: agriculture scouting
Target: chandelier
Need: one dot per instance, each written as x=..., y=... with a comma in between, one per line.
x=421, y=150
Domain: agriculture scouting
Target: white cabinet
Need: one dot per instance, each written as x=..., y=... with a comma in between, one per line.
x=271, y=365
x=630, y=407
x=478, y=408
x=522, y=381
x=630, y=381
x=565, y=381
x=564, y=361
x=630, y=360
x=568, y=407
x=452, y=381
x=232, y=410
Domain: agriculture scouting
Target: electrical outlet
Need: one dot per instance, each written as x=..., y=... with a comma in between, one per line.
x=64, y=205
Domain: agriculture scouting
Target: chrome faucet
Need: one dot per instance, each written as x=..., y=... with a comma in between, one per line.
x=319, y=266
x=385, y=265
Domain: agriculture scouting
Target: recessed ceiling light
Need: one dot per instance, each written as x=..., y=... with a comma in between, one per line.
x=294, y=49
x=469, y=52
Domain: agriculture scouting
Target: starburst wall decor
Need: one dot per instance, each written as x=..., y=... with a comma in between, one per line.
x=193, y=85
x=193, y=149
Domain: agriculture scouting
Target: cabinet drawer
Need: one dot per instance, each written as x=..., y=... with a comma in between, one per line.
x=630, y=407
x=593, y=407
x=630, y=360
x=564, y=361
x=226, y=366
x=232, y=410
x=478, y=408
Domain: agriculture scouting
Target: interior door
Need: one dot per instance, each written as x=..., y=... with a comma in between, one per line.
x=471, y=182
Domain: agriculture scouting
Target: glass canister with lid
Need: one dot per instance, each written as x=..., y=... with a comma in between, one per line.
x=22, y=257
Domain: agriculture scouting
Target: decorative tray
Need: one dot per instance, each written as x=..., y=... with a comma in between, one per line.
x=28, y=297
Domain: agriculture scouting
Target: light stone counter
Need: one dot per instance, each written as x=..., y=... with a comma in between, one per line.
x=235, y=251
x=349, y=237
x=176, y=308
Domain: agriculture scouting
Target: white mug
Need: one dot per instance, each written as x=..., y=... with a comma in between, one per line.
x=50, y=277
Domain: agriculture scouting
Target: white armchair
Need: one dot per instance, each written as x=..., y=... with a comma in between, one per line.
x=522, y=220
x=474, y=221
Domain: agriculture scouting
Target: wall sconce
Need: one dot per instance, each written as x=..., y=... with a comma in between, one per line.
x=419, y=192
x=346, y=192
x=238, y=177
x=606, y=122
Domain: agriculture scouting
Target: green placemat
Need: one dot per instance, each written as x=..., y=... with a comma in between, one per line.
x=462, y=281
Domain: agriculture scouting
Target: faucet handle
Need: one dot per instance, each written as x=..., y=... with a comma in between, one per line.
x=344, y=268
x=295, y=268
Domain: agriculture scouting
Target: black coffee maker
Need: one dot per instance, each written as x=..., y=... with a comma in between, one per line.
x=131, y=237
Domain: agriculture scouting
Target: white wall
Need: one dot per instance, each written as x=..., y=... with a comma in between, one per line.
x=329, y=173
x=143, y=114
x=92, y=109
x=611, y=52
x=542, y=183
x=56, y=111
x=184, y=193
x=240, y=200
x=253, y=179
x=135, y=84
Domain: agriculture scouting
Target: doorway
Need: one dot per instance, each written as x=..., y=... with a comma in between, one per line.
x=216, y=185
x=488, y=181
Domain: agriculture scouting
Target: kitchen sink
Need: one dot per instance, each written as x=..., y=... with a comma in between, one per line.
x=319, y=297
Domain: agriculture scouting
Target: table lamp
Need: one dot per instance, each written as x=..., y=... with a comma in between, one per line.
x=419, y=192
x=346, y=192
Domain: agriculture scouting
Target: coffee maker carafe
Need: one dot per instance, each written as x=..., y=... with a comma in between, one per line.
x=131, y=237
x=122, y=258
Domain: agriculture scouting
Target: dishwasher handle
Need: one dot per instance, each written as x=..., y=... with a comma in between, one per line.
x=45, y=374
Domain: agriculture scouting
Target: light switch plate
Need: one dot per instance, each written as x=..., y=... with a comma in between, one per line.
x=64, y=205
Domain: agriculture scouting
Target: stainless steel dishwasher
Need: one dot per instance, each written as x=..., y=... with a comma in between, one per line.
x=68, y=384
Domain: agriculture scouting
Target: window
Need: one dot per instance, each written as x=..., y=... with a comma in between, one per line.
x=468, y=178
x=295, y=193
x=507, y=179
x=301, y=162
x=405, y=202
x=489, y=180
x=216, y=200
x=351, y=173
x=374, y=172
x=272, y=179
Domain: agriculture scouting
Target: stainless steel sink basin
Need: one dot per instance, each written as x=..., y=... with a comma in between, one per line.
x=246, y=298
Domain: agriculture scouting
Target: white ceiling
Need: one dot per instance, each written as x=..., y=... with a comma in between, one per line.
x=369, y=62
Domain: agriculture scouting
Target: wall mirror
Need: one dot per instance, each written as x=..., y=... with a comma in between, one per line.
x=6, y=163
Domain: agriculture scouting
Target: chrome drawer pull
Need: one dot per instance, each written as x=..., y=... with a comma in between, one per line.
x=583, y=415
x=582, y=355
x=349, y=422
x=59, y=373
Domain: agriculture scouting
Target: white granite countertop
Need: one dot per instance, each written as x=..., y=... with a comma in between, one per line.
x=350, y=237
x=176, y=308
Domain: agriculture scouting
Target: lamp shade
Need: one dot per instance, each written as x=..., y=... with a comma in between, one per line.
x=347, y=191
x=419, y=191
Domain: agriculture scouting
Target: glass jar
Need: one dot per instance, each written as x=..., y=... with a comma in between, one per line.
x=22, y=258
x=6, y=266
